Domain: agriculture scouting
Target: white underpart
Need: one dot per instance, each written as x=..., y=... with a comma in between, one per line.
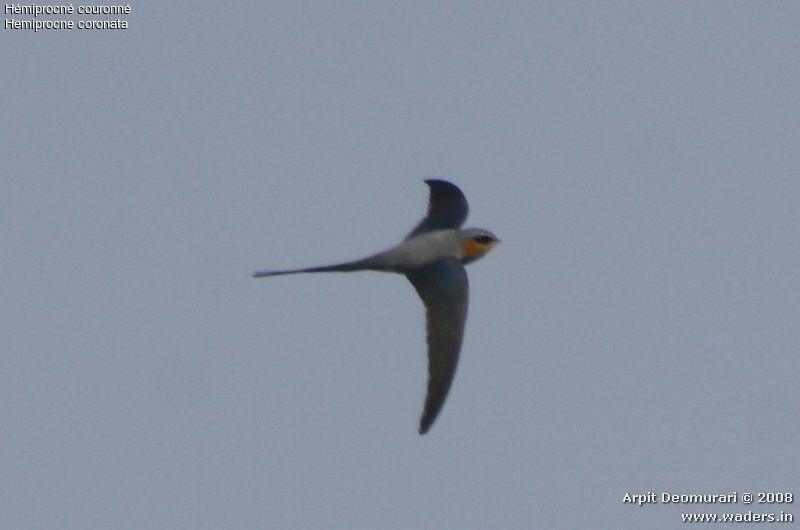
x=423, y=249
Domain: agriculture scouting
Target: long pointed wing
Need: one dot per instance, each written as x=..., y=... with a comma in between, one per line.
x=444, y=289
x=447, y=208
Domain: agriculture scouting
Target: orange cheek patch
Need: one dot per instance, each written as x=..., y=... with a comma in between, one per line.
x=472, y=248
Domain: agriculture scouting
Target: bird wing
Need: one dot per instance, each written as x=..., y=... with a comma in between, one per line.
x=444, y=289
x=447, y=208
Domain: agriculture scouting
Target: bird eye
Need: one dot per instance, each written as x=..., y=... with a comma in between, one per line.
x=483, y=240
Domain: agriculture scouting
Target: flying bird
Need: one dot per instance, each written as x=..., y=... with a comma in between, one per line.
x=432, y=257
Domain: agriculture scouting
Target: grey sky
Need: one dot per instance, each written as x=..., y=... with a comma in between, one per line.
x=637, y=329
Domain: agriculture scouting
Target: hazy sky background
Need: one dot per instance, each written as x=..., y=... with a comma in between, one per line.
x=637, y=330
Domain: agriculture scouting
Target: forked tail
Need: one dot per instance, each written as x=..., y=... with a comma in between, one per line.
x=359, y=265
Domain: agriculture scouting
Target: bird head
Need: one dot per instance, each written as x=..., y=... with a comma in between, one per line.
x=475, y=242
